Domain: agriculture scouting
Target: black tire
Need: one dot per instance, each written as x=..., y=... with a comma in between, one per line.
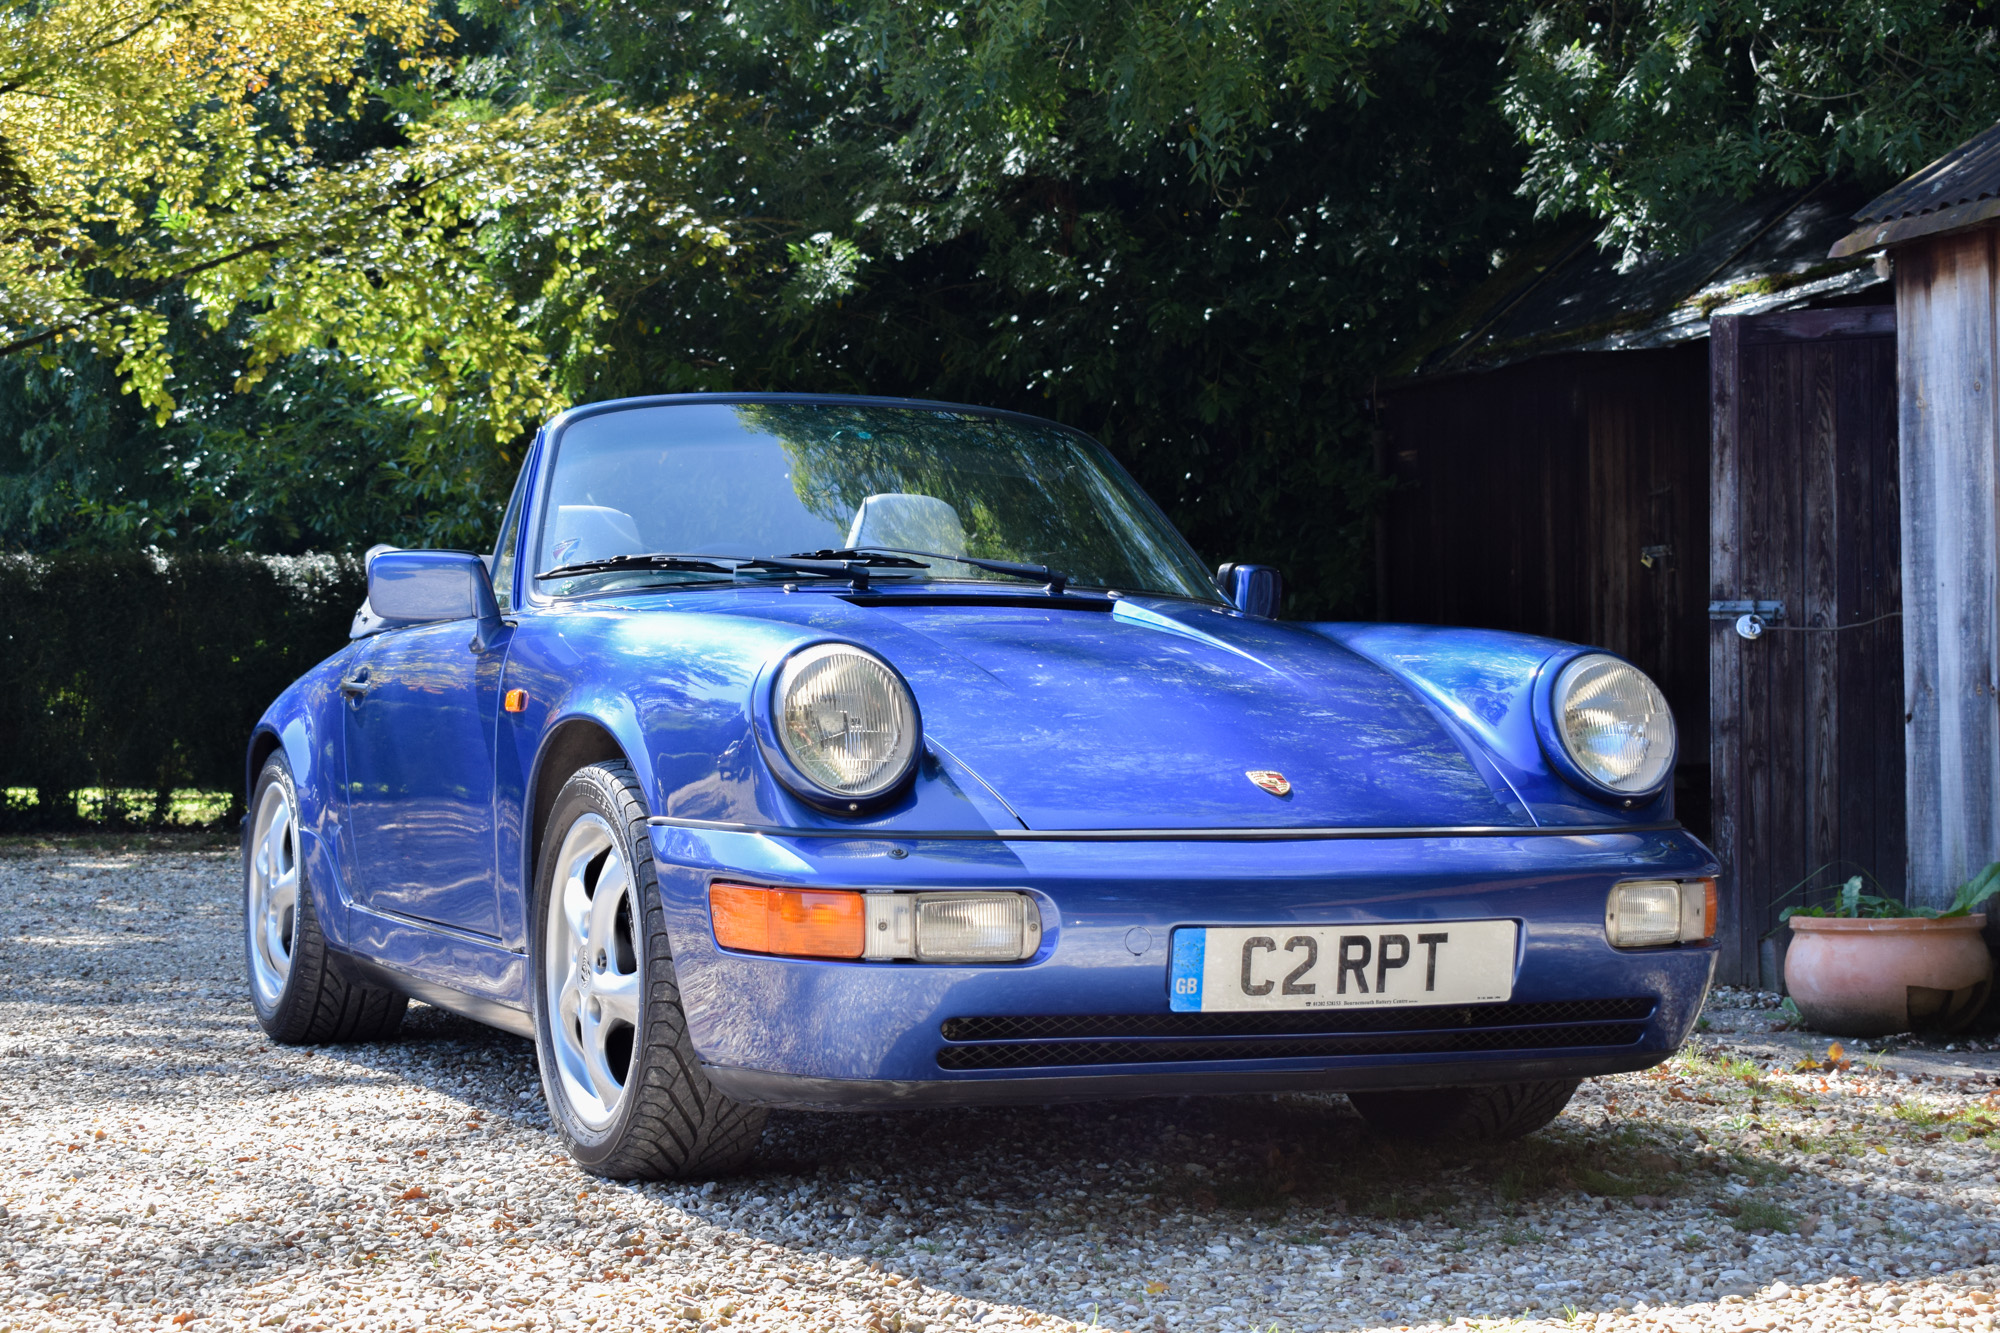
x=1491, y=1113
x=668, y=1122
x=311, y=1002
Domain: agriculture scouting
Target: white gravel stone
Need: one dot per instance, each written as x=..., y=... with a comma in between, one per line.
x=162, y=1166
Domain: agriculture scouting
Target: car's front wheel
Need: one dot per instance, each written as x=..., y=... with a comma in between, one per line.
x=299, y=994
x=1492, y=1113
x=624, y=1087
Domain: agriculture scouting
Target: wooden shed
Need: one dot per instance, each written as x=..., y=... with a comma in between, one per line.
x=1940, y=232
x=1637, y=458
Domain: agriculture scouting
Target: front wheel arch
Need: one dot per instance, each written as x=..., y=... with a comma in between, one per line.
x=570, y=746
x=263, y=744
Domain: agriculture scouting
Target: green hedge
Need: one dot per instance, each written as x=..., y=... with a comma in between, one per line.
x=137, y=671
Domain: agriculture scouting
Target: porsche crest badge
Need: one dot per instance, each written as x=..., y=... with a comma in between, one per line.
x=1275, y=783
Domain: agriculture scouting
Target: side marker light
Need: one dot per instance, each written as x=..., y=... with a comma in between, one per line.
x=517, y=701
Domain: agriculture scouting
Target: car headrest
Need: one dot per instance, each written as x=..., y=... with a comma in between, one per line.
x=592, y=532
x=915, y=522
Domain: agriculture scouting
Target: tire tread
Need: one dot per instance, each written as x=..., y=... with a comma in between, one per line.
x=320, y=1005
x=679, y=1124
x=1487, y=1113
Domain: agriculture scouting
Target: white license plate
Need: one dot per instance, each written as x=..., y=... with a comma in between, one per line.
x=1342, y=967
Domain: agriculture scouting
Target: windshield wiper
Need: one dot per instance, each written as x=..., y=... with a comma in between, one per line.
x=694, y=564
x=1033, y=573
x=852, y=566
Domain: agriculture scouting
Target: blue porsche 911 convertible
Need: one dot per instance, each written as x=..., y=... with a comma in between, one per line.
x=863, y=753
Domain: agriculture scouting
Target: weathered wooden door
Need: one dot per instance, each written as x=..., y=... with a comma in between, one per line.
x=1806, y=720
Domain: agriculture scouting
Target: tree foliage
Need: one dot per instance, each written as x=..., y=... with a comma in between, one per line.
x=1218, y=326
x=159, y=161
x=1197, y=231
x=1635, y=111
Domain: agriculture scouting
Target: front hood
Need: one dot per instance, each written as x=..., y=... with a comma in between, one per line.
x=1151, y=716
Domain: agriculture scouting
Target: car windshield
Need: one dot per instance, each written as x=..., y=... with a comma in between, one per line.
x=772, y=479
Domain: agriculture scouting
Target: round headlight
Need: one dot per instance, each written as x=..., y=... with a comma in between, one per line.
x=1614, y=723
x=846, y=720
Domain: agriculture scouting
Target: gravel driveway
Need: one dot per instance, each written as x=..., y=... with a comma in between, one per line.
x=161, y=1166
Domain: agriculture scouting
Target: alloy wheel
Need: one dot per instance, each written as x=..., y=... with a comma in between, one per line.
x=591, y=970
x=273, y=915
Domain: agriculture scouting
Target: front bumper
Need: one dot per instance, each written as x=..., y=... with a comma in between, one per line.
x=1089, y=1017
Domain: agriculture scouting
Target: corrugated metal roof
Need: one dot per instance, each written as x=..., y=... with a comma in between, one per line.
x=1960, y=189
x=1568, y=296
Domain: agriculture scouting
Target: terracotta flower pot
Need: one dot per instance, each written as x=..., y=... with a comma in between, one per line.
x=1863, y=977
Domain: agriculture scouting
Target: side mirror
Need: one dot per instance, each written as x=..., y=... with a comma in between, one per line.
x=425, y=587
x=1255, y=590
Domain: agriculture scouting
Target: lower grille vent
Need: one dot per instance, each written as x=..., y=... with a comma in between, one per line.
x=1017, y=1042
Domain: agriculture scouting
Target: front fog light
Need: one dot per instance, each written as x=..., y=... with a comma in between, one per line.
x=975, y=927
x=1648, y=912
x=953, y=927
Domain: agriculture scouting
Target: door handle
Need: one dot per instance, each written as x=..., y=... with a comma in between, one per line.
x=354, y=686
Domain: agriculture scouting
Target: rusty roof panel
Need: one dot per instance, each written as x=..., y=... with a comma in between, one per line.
x=1958, y=190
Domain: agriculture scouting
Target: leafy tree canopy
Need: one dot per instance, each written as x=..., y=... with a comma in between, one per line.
x=158, y=161
x=1634, y=111
x=1194, y=230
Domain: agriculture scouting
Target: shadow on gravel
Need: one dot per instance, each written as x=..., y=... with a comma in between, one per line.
x=980, y=1202
x=1258, y=1157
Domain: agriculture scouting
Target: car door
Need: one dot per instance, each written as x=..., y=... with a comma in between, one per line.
x=421, y=708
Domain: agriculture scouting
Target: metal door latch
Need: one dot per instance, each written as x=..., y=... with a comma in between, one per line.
x=1752, y=618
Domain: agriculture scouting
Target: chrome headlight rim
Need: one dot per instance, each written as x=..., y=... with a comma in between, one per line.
x=769, y=725
x=1555, y=744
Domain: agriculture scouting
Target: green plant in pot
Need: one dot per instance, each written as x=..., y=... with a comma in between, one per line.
x=1866, y=965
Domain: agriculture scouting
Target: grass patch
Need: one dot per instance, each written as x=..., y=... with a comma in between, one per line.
x=117, y=810
x=1916, y=1113
x=1762, y=1214
x=1758, y=1169
x=1608, y=1185
x=135, y=840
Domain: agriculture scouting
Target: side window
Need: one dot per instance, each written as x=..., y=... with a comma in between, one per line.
x=503, y=554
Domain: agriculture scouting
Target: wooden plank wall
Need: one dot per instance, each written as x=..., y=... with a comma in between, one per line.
x=1945, y=305
x=1524, y=496
x=1806, y=743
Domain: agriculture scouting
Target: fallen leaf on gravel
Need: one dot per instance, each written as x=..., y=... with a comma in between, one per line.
x=414, y=1192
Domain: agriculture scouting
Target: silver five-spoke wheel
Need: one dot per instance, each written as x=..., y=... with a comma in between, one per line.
x=273, y=891
x=626, y=1090
x=297, y=991
x=592, y=970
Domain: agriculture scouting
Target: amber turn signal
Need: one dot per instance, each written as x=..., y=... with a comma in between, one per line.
x=803, y=923
x=517, y=701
